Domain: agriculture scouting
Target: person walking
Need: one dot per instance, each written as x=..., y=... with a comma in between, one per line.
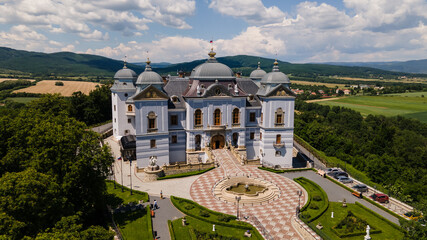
x=161, y=194
x=155, y=205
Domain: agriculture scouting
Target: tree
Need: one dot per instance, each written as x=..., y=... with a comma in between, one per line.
x=31, y=198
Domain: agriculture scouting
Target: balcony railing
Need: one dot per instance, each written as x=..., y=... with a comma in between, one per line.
x=278, y=145
x=130, y=113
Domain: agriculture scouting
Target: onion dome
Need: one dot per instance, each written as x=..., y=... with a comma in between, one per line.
x=275, y=77
x=257, y=73
x=125, y=73
x=149, y=76
x=212, y=70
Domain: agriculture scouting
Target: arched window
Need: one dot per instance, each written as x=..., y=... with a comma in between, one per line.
x=236, y=114
x=217, y=117
x=198, y=117
x=152, y=121
x=130, y=108
x=279, y=116
x=278, y=139
x=198, y=141
x=235, y=139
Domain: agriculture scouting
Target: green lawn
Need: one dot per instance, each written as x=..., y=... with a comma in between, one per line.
x=387, y=230
x=317, y=200
x=21, y=99
x=133, y=225
x=125, y=195
x=410, y=105
x=195, y=225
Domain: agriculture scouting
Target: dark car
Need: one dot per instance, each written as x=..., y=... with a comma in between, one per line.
x=336, y=175
x=381, y=198
x=360, y=187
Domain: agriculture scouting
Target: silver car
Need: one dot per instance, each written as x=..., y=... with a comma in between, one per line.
x=345, y=179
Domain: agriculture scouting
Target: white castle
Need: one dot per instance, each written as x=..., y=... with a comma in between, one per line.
x=177, y=119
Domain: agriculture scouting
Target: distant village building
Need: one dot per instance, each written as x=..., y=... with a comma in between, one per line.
x=177, y=121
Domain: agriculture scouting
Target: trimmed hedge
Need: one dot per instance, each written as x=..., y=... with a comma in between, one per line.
x=149, y=220
x=187, y=174
x=354, y=234
x=302, y=181
x=232, y=223
x=146, y=196
x=286, y=170
x=172, y=234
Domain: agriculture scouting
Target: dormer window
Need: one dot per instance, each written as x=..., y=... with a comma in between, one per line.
x=175, y=99
x=130, y=108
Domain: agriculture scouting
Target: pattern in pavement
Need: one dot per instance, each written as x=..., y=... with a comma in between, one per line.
x=274, y=215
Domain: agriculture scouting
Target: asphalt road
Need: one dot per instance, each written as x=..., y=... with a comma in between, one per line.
x=165, y=212
x=337, y=193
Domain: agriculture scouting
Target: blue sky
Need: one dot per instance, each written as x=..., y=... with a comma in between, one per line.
x=180, y=30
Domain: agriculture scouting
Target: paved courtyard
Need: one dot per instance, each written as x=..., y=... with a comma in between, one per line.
x=275, y=215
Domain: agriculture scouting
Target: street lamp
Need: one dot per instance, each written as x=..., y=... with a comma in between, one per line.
x=237, y=200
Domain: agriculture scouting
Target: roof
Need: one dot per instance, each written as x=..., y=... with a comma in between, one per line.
x=247, y=85
x=125, y=73
x=212, y=70
x=128, y=142
x=209, y=89
x=123, y=86
x=257, y=73
x=149, y=76
x=176, y=86
x=275, y=77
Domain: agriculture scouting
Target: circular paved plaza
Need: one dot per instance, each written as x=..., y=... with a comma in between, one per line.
x=275, y=215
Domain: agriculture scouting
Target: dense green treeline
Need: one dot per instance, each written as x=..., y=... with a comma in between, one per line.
x=52, y=173
x=391, y=150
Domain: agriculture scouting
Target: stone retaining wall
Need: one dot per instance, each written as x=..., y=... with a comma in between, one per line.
x=183, y=168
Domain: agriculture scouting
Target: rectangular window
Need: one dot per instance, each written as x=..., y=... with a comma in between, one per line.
x=174, y=139
x=114, y=107
x=174, y=119
x=252, y=117
x=279, y=119
x=152, y=143
x=252, y=135
x=129, y=120
x=278, y=139
x=261, y=117
x=151, y=123
x=260, y=136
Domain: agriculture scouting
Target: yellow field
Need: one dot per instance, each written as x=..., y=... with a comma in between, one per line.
x=7, y=79
x=48, y=86
x=409, y=80
x=330, y=85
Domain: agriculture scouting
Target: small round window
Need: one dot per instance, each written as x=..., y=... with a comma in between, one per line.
x=126, y=94
x=217, y=91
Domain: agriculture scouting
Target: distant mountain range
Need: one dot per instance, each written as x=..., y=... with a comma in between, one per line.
x=413, y=66
x=72, y=64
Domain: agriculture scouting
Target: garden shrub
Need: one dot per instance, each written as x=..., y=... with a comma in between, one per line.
x=204, y=213
x=189, y=207
x=313, y=206
x=305, y=215
x=317, y=198
x=224, y=218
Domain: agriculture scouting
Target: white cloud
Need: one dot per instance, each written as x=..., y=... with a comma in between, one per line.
x=252, y=11
x=23, y=37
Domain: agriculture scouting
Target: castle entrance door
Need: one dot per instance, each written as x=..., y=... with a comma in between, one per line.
x=217, y=141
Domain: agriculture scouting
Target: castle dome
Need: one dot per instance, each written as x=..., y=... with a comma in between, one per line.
x=149, y=76
x=275, y=76
x=212, y=70
x=125, y=73
x=257, y=73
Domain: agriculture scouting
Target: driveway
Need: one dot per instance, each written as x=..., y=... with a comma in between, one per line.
x=337, y=193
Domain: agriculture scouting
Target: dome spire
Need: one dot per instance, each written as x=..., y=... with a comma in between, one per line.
x=259, y=65
x=148, y=67
x=212, y=54
x=276, y=66
x=125, y=62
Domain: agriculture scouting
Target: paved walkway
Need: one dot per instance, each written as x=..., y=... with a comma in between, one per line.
x=165, y=212
x=275, y=216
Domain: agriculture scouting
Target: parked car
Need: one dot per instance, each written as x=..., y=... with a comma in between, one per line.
x=331, y=171
x=336, y=175
x=413, y=215
x=344, y=179
x=381, y=198
x=360, y=187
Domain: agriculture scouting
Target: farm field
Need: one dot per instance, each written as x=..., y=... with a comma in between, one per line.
x=410, y=105
x=7, y=79
x=414, y=80
x=48, y=86
x=330, y=85
x=21, y=99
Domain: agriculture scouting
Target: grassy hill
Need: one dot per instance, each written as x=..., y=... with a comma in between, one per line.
x=246, y=64
x=59, y=64
x=413, y=66
x=67, y=64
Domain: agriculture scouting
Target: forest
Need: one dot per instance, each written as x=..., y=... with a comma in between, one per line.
x=390, y=150
x=52, y=169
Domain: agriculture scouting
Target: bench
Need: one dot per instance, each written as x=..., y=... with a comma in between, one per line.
x=356, y=194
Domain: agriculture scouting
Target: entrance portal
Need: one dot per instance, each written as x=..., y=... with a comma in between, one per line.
x=217, y=142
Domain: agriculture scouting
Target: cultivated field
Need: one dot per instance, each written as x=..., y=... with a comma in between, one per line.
x=403, y=80
x=330, y=85
x=48, y=86
x=410, y=105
